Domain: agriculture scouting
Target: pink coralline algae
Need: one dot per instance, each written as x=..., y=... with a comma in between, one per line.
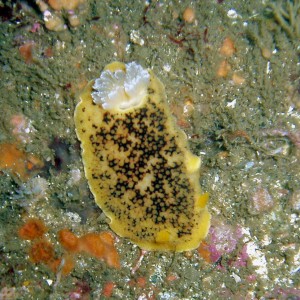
x=241, y=259
x=22, y=128
x=36, y=27
x=294, y=136
x=284, y=293
x=261, y=201
x=223, y=239
x=295, y=200
x=82, y=291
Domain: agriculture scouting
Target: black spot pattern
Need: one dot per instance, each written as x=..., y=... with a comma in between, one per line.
x=147, y=145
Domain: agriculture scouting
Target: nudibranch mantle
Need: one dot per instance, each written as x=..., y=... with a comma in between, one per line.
x=137, y=162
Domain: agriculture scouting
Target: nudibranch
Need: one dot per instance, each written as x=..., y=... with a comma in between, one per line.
x=137, y=162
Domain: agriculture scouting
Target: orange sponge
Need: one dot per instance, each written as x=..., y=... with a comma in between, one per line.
x=32, y=229
x=68, y=240
x=100, y=246
x=41, y=252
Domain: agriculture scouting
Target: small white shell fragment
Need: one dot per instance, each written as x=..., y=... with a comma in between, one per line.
x=167, y=67
x=136, y=38
x=232, y=14
x=236, y=277
x=49, y=282
x=231, y=104
x=75, y=176
x=74, y=217
x=258, y=259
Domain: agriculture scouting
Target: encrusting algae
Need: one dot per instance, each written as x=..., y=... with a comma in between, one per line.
x=137, y=162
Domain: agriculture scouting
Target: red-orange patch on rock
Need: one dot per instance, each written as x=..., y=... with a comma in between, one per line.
x=41, y=252
x=26, y=52
x=32, y=229
x=100, y=246
x=68, y=240
x=204, y=252
x=108, y=289
x=227, y=49
x=17, y=161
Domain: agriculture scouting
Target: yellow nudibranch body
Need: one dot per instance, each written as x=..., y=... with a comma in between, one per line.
x=137, y=162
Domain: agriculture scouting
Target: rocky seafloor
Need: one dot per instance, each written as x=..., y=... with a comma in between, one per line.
x=232, y=78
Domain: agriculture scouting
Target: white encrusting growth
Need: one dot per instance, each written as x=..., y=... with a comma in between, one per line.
x=121, y=90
